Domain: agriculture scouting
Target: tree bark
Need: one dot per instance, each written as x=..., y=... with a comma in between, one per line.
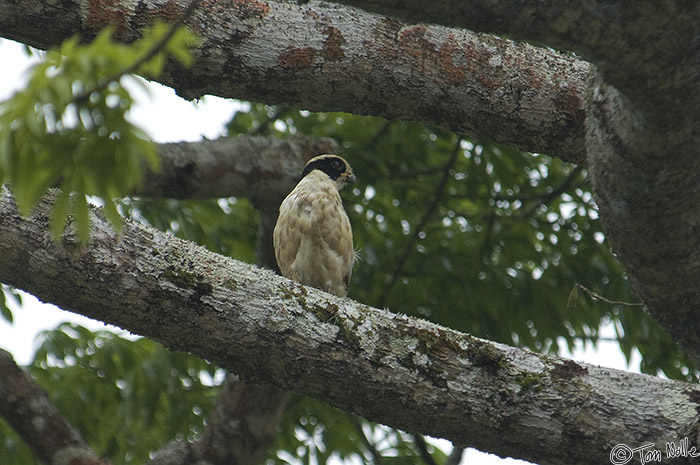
x=405, y=372
x=647, y=187
x=262, y=169
x=327, y=58
x=647, y=49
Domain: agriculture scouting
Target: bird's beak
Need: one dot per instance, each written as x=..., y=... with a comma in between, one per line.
x=350, y=178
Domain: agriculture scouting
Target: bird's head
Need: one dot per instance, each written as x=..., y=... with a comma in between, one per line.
x=333, y=166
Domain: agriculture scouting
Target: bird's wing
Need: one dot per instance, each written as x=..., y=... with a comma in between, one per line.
x=293, y=225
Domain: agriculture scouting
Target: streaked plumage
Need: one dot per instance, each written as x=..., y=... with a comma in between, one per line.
x=312, y=237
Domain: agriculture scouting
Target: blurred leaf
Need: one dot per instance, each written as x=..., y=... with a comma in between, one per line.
x=12, y=449
x=8, y=292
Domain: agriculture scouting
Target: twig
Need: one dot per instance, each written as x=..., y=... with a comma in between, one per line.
x=596, y=296
x=376, y=456
x=371, y=143
x=424, y=221
x=422, y=446
x=455, y=458
x=150, y=53
x=488, y=233
x=545, y=198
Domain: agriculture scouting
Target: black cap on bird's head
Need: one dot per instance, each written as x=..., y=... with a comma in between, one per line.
x=334, y=166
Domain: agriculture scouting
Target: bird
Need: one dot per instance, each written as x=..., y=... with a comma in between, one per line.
x=313, y=237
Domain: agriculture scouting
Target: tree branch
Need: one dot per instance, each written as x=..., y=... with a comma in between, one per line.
x=455, y=458
x=262, y=169
x=608, y=33
x=27, y=408
x=646, y=185
x=405, y=372
x=327, y=58
x=596, y=296
x=422, y=447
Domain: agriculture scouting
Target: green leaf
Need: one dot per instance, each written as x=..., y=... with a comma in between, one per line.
x=112, y=214
x=81, y=212
x=59, y=215
x=5, y=311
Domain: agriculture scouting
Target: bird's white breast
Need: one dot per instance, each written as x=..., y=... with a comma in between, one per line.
x=313, y=237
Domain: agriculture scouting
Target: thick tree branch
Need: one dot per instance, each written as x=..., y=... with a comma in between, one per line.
x=405, y=372
x=27, y=408
x=647, y=187
x=151, y=53
x=637, y=46
x=246, y=419
x=324, y=57
x=262, y=169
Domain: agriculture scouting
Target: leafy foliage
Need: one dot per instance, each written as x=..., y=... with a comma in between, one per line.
x=313, y=432
x=127, y=398
x=68, y=127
